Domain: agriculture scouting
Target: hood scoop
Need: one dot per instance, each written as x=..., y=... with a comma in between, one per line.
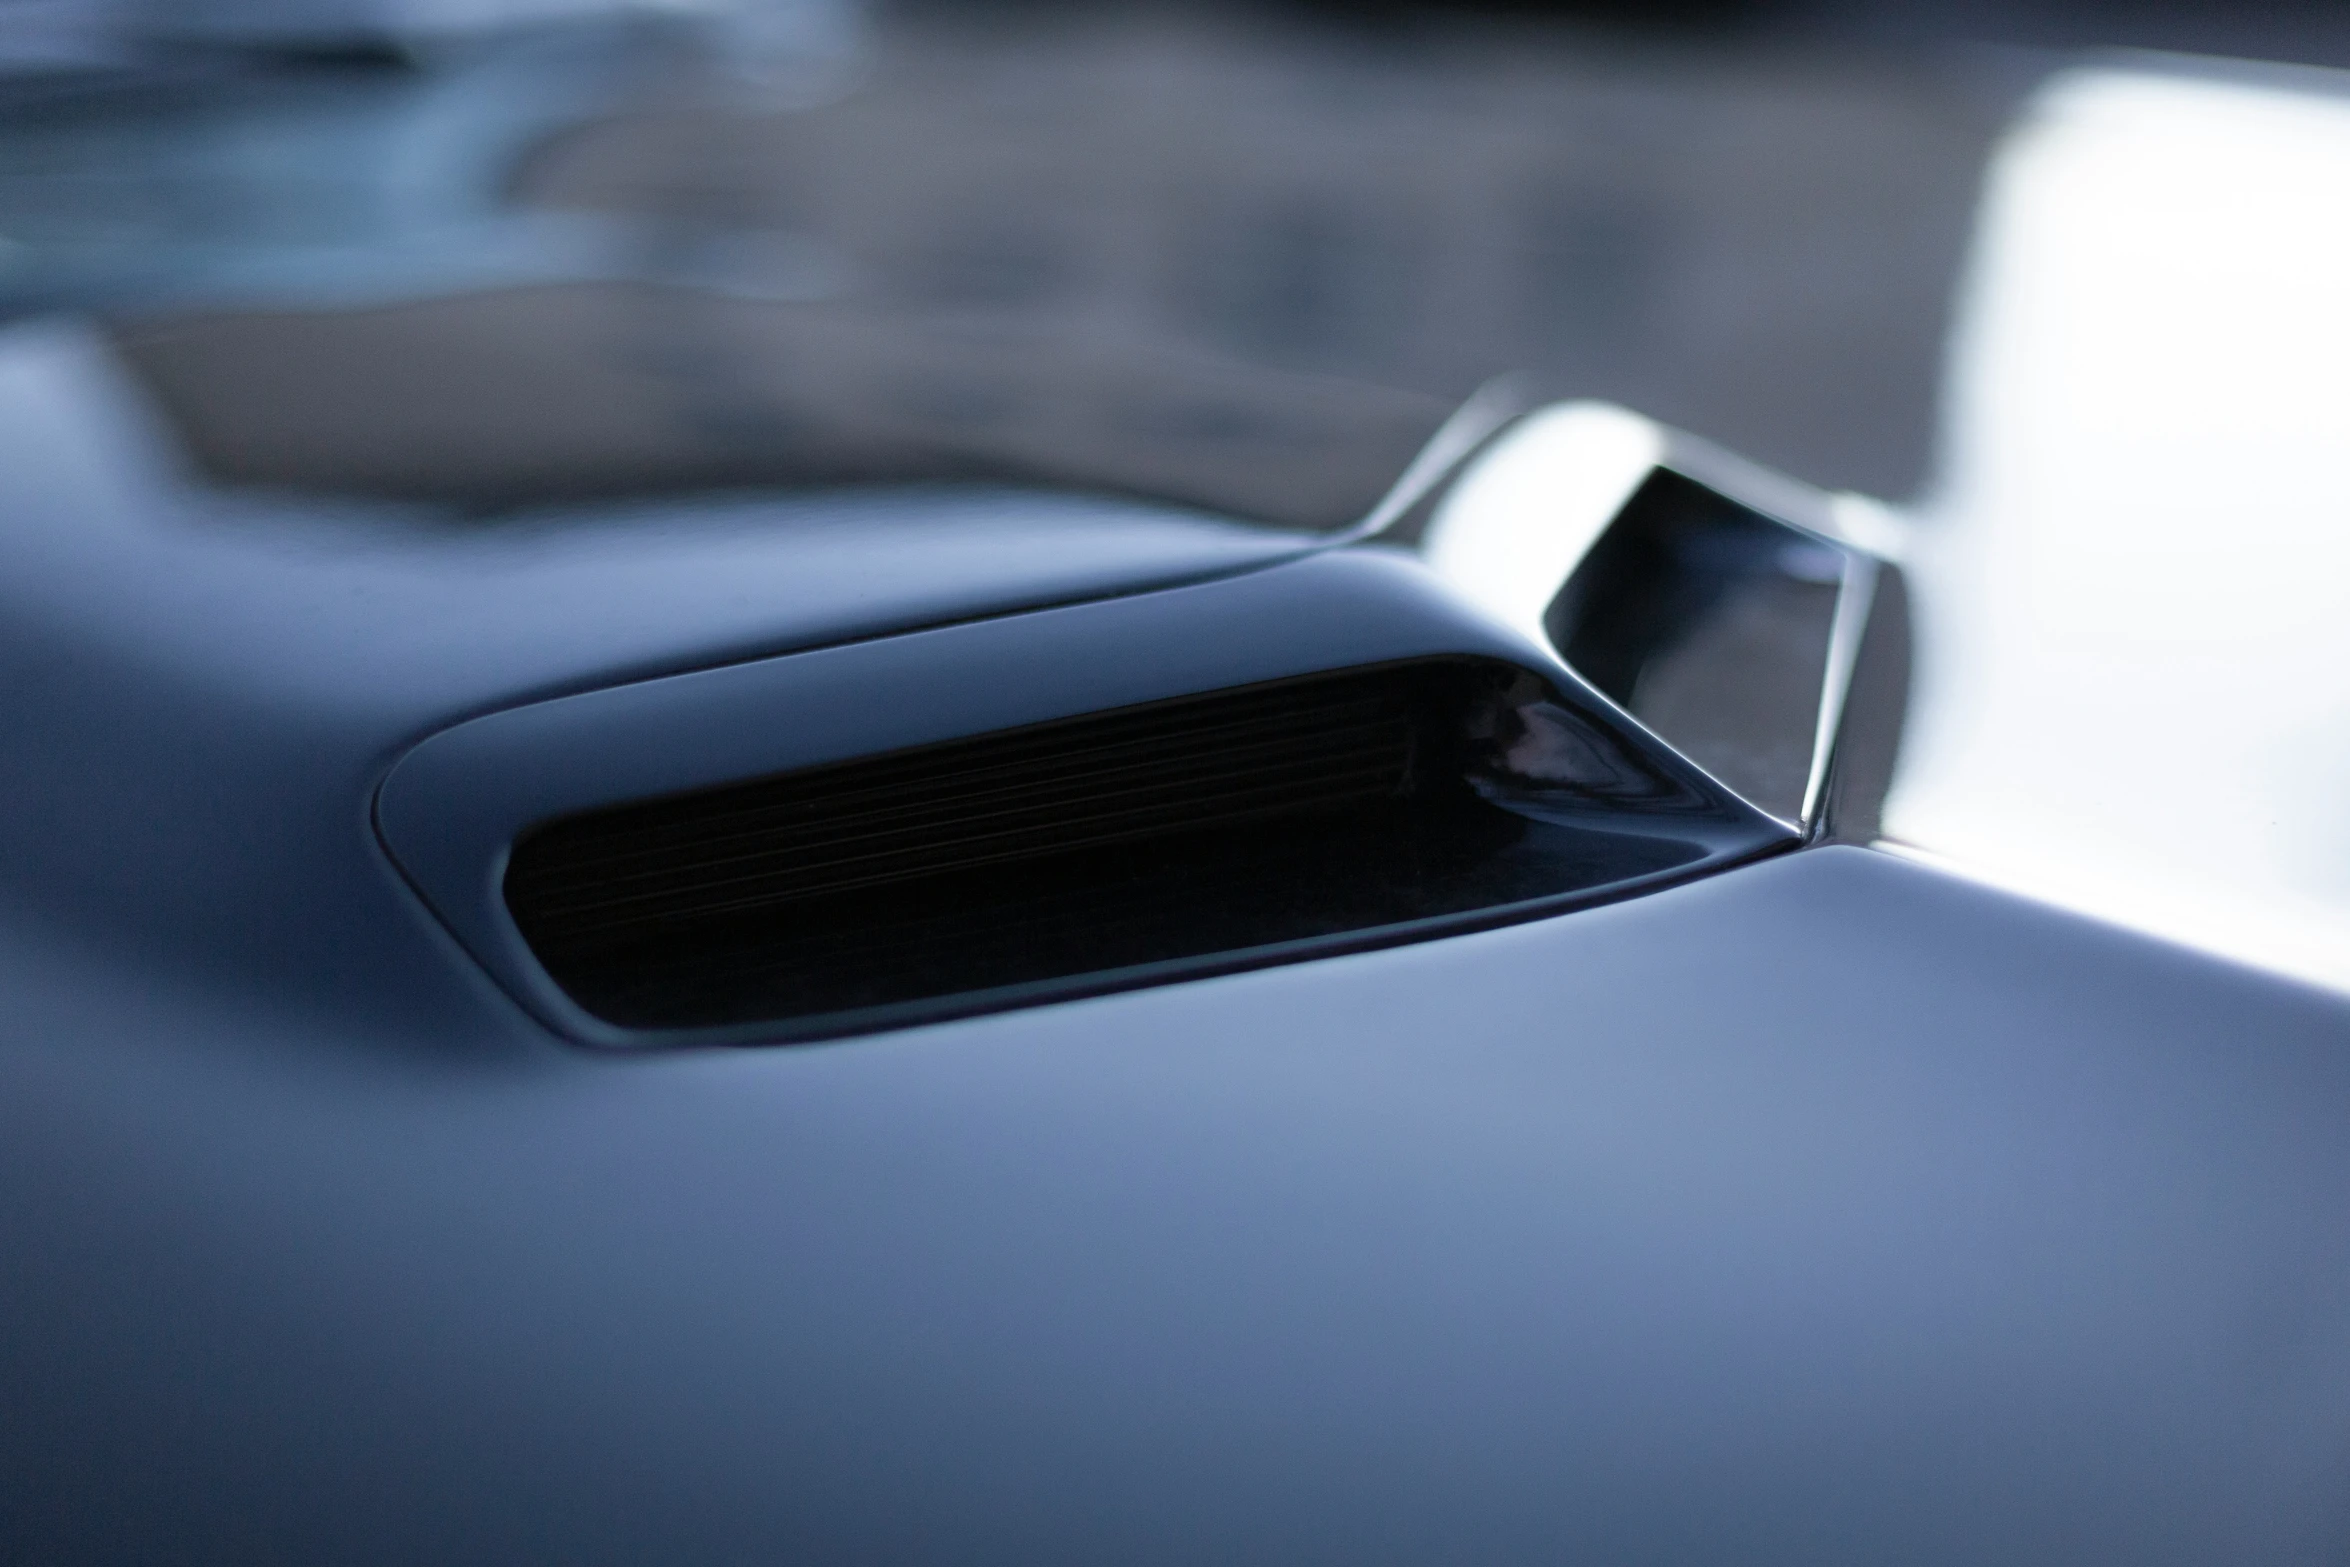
x=1170, y=837
x=1331, y=754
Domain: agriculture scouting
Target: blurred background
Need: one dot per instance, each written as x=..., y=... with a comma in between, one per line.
x=487, y=251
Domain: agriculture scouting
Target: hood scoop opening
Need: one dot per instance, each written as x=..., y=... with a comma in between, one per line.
x=1182, y=836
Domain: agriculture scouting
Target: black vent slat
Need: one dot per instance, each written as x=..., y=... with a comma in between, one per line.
x=863, y=787
x=910, y=809
x=1158, y=771
x=1138, y=841
x=788, y=875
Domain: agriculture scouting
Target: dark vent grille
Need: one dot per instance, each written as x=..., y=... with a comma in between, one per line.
x=936, y=812
x=1114, y=844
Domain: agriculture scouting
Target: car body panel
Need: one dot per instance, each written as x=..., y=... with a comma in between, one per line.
x=1833, y=1207
x=1825, y=1208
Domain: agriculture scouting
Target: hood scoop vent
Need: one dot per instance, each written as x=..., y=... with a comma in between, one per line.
x=1179, y=836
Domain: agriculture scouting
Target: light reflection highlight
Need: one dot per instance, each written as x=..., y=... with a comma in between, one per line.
x=2133, y=575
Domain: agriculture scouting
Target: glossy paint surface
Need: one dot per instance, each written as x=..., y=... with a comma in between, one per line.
x=112, y=533
x=1827, y=1210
